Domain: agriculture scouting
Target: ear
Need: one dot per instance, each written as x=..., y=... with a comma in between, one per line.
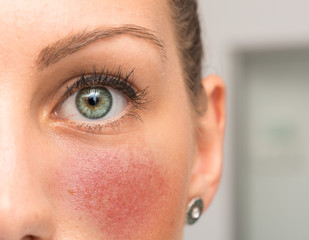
x=207, y=165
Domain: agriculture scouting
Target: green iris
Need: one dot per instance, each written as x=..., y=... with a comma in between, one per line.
x=94, y=103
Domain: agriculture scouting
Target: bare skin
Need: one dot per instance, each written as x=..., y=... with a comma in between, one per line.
x=127, y=175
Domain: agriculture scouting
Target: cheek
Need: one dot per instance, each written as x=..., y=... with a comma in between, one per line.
x=118, y=191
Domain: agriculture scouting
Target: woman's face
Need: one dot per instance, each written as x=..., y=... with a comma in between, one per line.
x=97, y=131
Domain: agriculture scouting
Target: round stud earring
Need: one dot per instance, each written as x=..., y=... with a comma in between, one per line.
x=195, y=210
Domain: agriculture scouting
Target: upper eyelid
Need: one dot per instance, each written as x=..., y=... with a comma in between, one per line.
x=137, y=96
x=97, y=78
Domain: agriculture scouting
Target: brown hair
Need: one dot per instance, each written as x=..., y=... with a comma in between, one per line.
x=190, y=48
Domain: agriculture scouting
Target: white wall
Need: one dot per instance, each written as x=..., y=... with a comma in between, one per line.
x=228, y=26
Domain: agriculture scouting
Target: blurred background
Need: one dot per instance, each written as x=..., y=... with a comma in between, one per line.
x=261, y=49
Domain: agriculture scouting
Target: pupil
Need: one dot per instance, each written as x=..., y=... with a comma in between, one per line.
x=93, y=100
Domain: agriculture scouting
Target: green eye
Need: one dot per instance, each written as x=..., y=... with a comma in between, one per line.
x=94, y=103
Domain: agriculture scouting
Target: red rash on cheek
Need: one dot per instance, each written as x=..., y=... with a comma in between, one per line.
x=118, y=191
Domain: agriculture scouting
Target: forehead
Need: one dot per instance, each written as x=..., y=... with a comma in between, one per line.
x=27, y=26
x=79, y=12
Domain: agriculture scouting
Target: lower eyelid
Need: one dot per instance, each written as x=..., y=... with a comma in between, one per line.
x=121, y=124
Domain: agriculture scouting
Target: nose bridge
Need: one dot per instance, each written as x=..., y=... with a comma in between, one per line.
x=14, y=130
x=20, y=136
x=24, y=209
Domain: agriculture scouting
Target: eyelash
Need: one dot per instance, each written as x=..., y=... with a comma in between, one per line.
x=121, y=81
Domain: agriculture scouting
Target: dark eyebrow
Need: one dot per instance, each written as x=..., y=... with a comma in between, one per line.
x=74, y=42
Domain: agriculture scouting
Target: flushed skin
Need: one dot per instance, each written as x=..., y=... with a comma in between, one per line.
x=131, y=180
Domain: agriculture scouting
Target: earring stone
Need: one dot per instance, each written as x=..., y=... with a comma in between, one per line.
x=195, y=210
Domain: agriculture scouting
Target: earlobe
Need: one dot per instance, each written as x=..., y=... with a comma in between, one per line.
x=207, y=167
